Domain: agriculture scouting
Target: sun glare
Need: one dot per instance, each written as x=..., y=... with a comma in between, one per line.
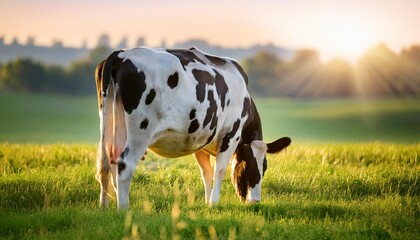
x=345, y=37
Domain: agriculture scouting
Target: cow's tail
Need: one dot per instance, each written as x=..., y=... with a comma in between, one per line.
x=278, y=145
x=107, y=111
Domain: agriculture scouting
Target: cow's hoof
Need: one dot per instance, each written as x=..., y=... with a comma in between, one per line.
x=213, y=204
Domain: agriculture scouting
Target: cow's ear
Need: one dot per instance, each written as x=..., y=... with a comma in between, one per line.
x=278, y=145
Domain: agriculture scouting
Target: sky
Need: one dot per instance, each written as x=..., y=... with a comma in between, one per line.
x=344, y=28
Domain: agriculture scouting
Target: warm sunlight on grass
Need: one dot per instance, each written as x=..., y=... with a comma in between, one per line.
x=315, y=191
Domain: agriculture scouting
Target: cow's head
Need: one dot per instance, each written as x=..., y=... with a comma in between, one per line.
x=249, y=165
x=247, y=170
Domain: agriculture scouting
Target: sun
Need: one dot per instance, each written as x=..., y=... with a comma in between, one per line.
x=332, y=32
x=345, y=37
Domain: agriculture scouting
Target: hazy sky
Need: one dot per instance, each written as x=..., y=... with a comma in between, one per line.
x=334, y=27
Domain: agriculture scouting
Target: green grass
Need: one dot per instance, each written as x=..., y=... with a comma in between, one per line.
x=386, y=120
x=315, y=191
x=50, y=119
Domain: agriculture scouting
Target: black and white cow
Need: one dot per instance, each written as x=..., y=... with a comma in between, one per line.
x=176, y=103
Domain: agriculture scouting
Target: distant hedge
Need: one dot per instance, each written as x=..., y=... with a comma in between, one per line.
x=27, y=75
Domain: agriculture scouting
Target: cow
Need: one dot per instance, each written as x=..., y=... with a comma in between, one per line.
x=177, y=102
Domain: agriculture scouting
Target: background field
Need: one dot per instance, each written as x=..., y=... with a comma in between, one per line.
x=50, y=118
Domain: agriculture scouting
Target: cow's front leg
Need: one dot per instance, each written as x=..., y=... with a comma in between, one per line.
x=126, y=164
x=222, y=161
x=114, y=176
x=203, y=160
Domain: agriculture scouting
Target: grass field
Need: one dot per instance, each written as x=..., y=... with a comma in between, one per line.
x=50, y=119
x=315, y=191
x=352, y=172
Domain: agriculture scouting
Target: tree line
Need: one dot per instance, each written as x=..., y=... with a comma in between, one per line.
x=379, y=73
x=27, y=75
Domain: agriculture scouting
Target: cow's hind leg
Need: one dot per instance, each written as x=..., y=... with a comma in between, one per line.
x=203, y=160
x=102, y=176
x=126, y=164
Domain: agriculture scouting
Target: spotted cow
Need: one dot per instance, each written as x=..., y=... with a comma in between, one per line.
x=175, y=103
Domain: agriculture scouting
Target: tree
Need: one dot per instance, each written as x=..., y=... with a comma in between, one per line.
x=81, y=73
x=306, y=56
x=338, y=79
x=411, y=54
x=382, y=74
x=262, y=72
x=23, y=74
x=57, y=80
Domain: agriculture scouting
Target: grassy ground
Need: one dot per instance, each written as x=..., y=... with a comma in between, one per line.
x=386, y=120
x=329, y=191
x=50, y=119
x=316, y=191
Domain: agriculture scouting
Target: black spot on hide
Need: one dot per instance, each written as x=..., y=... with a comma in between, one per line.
x=211, y=111
x=214, y=120
x=246, y=107
x=185, y=56
x=111, y=63
x=173, y=80
x=144, y=124
x=211, y=137
x=252, y=129
x=192, y=114
x=132, y=84
x=121, y=167
x=221, y=88
x=194, y=125
x=203, y=78
x=124, y=152
x=229, y=136
x=150, y=97
x=216, y=60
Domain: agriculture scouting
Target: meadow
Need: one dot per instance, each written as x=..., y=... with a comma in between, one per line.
x=314, y=191
x=352, y=172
